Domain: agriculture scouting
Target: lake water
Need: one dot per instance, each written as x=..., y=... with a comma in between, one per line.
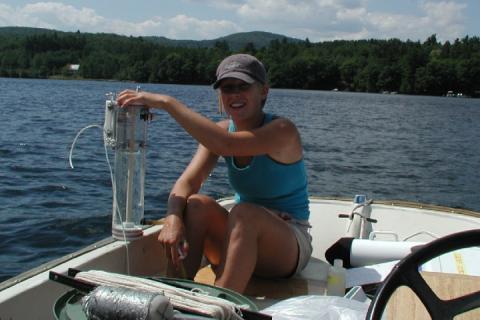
x=394, y=147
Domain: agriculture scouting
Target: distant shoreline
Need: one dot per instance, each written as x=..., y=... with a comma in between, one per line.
x=66, y=78
x=406, y=67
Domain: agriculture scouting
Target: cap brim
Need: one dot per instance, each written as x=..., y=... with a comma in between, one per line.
x=236, y=75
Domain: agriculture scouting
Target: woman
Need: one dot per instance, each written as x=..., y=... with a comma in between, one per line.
x=266, y=232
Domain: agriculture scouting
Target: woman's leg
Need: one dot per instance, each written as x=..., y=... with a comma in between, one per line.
x=205, y=224
x=258, y=241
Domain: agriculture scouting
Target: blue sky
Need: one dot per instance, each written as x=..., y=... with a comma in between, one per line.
x=318, y=20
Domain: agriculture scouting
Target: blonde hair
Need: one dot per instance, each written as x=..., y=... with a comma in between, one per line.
x=220, y=103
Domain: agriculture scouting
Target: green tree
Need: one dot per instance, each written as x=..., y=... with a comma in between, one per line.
x=170, y=70
x=367, y=79
x=364, y=65
x=250, y=48
x=348, y=72
x=389, y=78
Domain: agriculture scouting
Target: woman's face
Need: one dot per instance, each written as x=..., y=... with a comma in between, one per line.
x=242, y=101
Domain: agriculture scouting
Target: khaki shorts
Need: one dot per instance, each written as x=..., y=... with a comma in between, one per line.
x=301, y=229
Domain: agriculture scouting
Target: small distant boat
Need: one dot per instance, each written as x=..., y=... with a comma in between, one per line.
x=450, y=93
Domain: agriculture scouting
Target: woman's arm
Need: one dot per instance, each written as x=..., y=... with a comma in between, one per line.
x=277, y=137
x=191, y=180
x=172, y=234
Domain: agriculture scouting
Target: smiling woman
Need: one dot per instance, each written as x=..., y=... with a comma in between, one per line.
x=264, y=158
x=237, y=74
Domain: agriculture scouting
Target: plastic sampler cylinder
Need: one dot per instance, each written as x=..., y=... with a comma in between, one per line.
x=130, y=132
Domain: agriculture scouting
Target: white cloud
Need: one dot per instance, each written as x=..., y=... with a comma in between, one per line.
x=350, y=19
x=445, y=18
x=5, y=12
x=182, y=27
x=318, y=20
x=315, y=19
x=275, y=11
x=220, y=4
x=55, y=15
x=49, y=15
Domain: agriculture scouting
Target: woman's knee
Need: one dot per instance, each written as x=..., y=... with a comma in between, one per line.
x=199, y=202
x=204, y=216
x=197, y=206
x=244, y=213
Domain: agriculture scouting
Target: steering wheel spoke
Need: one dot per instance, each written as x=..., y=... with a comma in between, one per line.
x=463, y=304
x=424, y=292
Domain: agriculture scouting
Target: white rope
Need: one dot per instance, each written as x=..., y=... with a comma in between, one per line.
x=70, y=156
x=213, y=306
x=112, y=179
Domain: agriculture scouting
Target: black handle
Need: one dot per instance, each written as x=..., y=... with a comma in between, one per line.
x=72, y=282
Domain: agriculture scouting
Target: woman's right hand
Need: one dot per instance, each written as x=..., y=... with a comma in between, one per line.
x=144, y=98
x=172, y=236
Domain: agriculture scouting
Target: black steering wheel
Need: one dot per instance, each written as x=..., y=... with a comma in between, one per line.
x=405, y=273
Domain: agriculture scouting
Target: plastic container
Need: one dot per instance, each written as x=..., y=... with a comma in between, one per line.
x=336, y=279
x=125, y=130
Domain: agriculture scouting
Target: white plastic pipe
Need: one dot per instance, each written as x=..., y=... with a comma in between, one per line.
x=368, y=252
x=131, y=167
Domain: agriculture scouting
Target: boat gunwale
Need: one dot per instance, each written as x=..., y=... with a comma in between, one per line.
x=411, y=204
x=53, y=263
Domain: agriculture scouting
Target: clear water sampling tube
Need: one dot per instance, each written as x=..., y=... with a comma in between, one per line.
x=125, y=130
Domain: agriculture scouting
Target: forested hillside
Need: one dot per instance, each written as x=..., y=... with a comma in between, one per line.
x=428, y=67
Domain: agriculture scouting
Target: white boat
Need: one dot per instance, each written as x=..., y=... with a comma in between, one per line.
x=32, y=295
x=370, y=237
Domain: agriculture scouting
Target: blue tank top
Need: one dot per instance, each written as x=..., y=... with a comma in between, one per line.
x=271, y=184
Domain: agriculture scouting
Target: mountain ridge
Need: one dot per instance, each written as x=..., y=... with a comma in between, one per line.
x=235, y=41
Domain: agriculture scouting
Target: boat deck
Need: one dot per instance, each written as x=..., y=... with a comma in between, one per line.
x=265, y=292
x=404, y=304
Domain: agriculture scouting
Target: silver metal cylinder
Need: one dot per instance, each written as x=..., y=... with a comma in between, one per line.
x=106, y=302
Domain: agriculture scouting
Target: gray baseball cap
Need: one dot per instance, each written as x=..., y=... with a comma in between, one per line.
x=241, y=66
